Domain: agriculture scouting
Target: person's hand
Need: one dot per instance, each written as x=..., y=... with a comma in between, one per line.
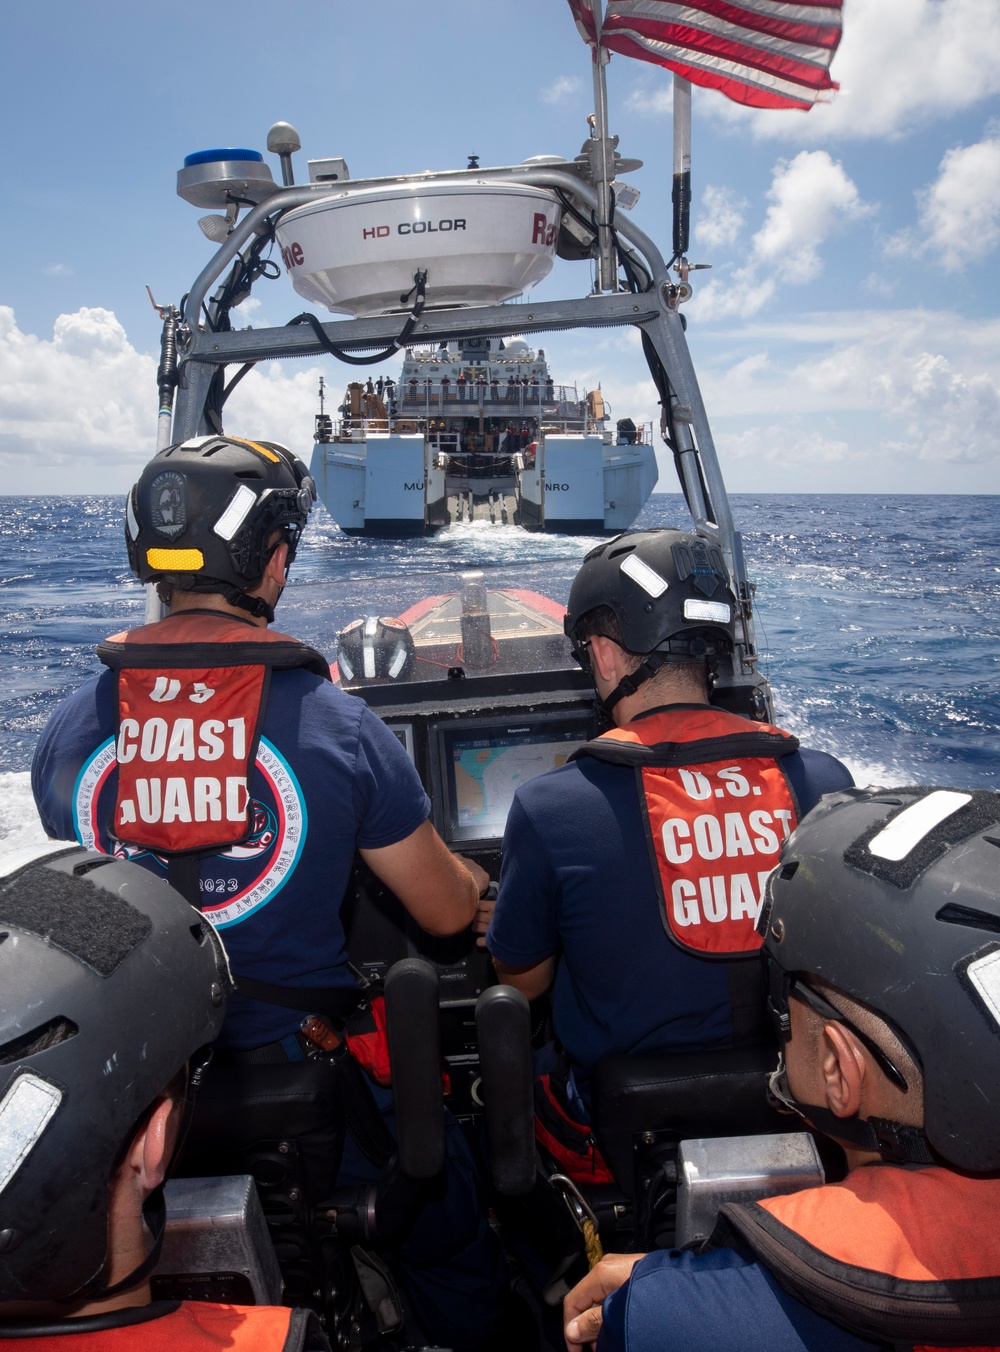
x=484, y=914
x=582, y=1315
x=479, y=875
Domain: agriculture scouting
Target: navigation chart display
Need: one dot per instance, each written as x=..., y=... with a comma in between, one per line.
x=486, y=765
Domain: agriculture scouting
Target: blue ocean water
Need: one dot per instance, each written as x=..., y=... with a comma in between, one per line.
x=879, y=616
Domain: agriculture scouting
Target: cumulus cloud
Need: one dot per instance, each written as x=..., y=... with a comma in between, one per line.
x=960, y=212
x=811, y=198
x=924, y=383
x=562, y=89
x=78, y=411
x=721, y=217
x=901, y=64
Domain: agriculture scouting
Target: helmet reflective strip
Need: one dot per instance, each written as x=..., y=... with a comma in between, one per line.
x=196, y=443
x=26, y=1110
x=984, y=974
x=398, y=661
x=648, y=578
x=240, y=505
x=369, y=649
x=175, y=560
x=130, y=521
x=715, y=612
x=907, y=830
x=261, y=450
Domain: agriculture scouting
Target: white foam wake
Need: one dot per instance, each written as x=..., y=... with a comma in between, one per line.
x=19, y=824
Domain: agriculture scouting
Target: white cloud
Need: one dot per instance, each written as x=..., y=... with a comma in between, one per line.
x=777, y=444
x=58, y=270
x=923, y=383
x=562, y=89
x=741, y=292
x=721, y=218
x=901, y=64
x=811, y=198
x=960, y=211
x=78, y=411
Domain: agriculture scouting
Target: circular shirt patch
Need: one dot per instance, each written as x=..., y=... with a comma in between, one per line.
x=236, y=882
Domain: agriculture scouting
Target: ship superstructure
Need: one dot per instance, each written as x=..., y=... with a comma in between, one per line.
x=478, y=430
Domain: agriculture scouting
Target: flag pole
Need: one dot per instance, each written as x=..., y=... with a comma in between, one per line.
x=681, y=194
x=602, y=161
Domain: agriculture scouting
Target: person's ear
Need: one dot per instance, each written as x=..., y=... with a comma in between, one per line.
x=150, y=1154
x=277, y=564
x=604, y=656
x=843, y=1067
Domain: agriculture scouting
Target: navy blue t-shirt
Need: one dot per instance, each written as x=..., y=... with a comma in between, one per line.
x=576, y=881
x=329, y=777
x=714, y=1302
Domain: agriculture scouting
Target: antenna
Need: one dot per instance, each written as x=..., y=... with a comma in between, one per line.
x=681, y=194
x=321, y=388
x=602, y=159
x=283, y=140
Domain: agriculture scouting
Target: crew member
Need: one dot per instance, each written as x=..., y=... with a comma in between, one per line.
x=90, y=1118
x=632, y=875
x=218, y=751
x=880, y=939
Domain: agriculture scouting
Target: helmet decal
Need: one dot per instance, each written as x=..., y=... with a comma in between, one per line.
x=168, y=504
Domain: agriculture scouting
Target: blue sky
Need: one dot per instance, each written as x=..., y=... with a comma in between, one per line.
x=846, y=337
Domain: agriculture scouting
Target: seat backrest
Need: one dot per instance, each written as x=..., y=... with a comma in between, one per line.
x=283, y=1125
x=679, y=1096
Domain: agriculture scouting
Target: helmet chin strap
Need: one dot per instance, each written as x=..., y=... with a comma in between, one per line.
x=670, y=650
x=255, y=605
x=895, y=1143
x=629, y=684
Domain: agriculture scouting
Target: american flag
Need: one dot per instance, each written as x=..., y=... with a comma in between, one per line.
x=764, y=53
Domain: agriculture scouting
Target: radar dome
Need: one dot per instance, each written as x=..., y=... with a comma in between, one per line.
x=515, y=347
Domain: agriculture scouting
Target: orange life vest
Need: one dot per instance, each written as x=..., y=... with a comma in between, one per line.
x=195, y=1326
x=910, y=1255
x=717, y=807
x=191, y=694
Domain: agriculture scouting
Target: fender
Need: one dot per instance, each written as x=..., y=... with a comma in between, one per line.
x=716, y=807
x=895, y=1254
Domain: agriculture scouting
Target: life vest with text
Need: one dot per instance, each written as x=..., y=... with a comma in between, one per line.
x=905, y=1255
x=191, y=693
x=717, y=807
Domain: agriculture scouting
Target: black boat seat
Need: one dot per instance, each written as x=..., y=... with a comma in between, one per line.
x=678, y=1097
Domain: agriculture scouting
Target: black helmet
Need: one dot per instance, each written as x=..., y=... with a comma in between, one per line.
x=111, y=982
x=202, y=513
x=669, y=592
x=893, y=897
x=375, y=649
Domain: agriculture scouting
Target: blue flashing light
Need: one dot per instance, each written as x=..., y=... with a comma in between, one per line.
x=214, y=156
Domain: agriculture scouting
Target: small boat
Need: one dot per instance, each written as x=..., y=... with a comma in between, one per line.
x=478, y=430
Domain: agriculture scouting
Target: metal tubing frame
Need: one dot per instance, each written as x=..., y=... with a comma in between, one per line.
x=654, y=311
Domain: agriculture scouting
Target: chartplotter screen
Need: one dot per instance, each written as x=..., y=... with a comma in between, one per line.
x=484, y=765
